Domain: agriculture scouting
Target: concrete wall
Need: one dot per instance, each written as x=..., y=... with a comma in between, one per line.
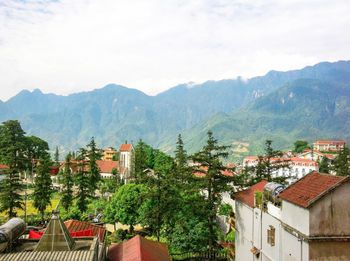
x=330, y=251
x=244, y=232
x=271, y=252
x=296, y=217
x=330, y=216
x=292, y=248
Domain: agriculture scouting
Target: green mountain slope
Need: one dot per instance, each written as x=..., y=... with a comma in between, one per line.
x=280, y=105
x=303, y=109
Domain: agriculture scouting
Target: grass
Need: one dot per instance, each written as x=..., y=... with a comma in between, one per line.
x=31, y=210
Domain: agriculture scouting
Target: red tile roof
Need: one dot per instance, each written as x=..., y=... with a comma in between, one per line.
x=310, y=188
x=333, y=142
x=247, y=196
x=125, y=147
x=138, y=249
x=107, y=166
x=2, y=166
x=54, y=170
x=76, y=225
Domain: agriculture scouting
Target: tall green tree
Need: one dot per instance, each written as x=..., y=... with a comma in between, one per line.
x=12, y=153
x=143, y=160
x=57, y=157
x=67, y=183
x=342, y=163
x=300, y=146
x=269, y=164
x=182, y=169
x=93, y=154
x=324, y=165
x=213, y=182
x=82, y=181
x=156, y=212
x=42, y=186
x=125, y=204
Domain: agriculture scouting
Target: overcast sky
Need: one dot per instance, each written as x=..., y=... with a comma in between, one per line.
x=67, y=46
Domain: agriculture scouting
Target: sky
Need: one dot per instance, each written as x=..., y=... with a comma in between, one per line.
x=67, y=46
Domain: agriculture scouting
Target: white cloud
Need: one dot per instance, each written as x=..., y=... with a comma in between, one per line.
x=67, y=46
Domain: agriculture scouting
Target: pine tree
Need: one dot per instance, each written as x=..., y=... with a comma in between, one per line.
x=82, y=181
x=93, y=155
x=342, y=163
x=141, y=161
x=57, y=157
x=67, y=183
x=12, y=150
x=270, y=163
x=182, y=170
x=213, y=182
x=324, y=165
x=42, y=186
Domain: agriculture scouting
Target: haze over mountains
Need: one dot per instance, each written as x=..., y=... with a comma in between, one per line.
x=310, y=103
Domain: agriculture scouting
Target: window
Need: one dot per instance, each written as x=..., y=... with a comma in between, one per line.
x=271, y=236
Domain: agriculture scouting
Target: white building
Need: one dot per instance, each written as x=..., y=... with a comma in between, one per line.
x=126, y=152
x=298, y=167
x=311, y=221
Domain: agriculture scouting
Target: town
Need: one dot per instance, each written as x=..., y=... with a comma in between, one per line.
x=134, y=202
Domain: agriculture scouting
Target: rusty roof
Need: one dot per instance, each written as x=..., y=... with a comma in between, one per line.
x=310, y=188
x=140, y=249
x=247, y=196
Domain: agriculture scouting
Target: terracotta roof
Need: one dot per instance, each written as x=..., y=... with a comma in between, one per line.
x=76, y=225
x=310, y=188
x=107, y=166
x=199, y=173
x=247, y=196
x=54, y=170
x=308, y=162
x=125, y=147
x=2, y=166
x=138, y=249
x=330, y=142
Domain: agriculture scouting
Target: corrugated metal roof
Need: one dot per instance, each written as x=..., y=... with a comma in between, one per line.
x=52, y=256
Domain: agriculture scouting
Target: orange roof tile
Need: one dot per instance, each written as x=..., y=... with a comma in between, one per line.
x=107, y=166
x=76, y=225
x=310, y=188
x=330, y=142
x=2, y=166
x=247, y=196
x=125, y=147
x=140, y=249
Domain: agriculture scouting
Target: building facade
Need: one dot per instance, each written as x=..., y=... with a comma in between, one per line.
x=329, y=145
x=310, y=221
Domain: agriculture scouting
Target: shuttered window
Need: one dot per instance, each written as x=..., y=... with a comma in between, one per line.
x=271, y=236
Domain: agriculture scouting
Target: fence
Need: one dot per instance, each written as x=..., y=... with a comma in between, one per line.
x=205, y=256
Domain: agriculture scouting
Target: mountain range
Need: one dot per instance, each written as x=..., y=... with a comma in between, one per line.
x=310, y=103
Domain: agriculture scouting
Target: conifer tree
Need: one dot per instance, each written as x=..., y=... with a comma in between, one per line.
x=12, y=150
x=57, y=157
x=342, y=162
x=213, y=182
x=324, y=165
x=140, y=161
x=268, y=164
x=182, y=170
x=93, y=155
x=82, y=180
x=42, y=186
x=67, y=183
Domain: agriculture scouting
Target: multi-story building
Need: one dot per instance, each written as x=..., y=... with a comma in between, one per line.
x=295, y=167
x=329, y=145
x=309, y=220
x=109, y=154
